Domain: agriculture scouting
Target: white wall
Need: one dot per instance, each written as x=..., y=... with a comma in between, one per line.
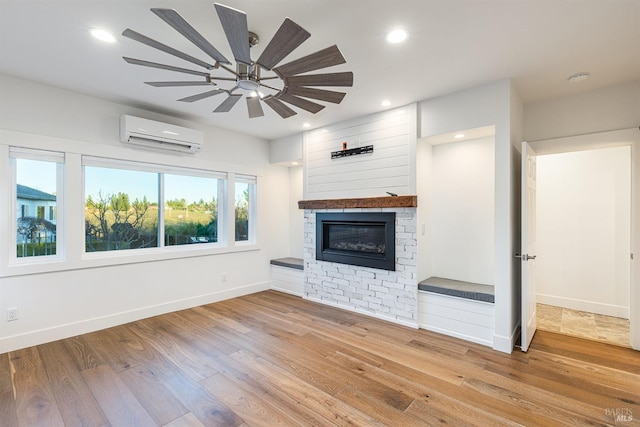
x=286, y=150
x=583, y=230
x=462, y=222
x=491, y=104
x=424, y=212
x=68, y=298
x=391, y=166
x=616, y=107
x=296, y=215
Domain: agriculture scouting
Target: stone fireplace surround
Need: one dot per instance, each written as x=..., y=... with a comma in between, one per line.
x=388, y=295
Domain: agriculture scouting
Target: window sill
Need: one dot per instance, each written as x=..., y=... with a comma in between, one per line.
x=124, y=257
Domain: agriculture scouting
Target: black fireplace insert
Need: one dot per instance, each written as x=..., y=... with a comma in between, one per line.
x=366, y=239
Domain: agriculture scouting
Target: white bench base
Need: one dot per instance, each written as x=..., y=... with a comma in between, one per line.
x=462, y=318
x=289, y=280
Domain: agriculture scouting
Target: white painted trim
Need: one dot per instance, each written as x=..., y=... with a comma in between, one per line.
x=634, y=297
x=581, y=305
x=15, y=342
x=287, y=291
x=506, y=344
x=413, y=325
x=455, y=334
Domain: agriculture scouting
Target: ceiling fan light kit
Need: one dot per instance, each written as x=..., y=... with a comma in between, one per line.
x=298, y=87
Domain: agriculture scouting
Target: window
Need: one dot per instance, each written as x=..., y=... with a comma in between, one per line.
x=121, y=208
x=38, y=178
x=245, y=190
x=131, y=205
x=191, y=211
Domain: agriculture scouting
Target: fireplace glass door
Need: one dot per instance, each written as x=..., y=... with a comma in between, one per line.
x=358, y=238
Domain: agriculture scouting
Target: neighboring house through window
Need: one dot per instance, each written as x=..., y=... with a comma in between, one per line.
x=38, y=181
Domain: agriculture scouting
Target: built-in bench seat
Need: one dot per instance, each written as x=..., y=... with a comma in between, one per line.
x=457, y=288
x=289, y=262
x=287, y=275
x=459, y=309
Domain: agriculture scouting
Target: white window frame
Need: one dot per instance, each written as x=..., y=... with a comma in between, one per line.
x=44, y=156
x=252, y=180
x=160, y=170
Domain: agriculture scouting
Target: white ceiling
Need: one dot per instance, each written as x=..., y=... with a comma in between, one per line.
x=453, y=45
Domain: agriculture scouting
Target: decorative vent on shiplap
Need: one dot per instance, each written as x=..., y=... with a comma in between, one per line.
x=389, y=168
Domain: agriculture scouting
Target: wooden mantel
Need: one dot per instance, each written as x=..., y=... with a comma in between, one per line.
x=362, y=202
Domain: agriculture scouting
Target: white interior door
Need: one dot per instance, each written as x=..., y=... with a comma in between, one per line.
x=528, y=254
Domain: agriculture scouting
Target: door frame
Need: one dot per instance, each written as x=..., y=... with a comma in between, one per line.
x=616, y=138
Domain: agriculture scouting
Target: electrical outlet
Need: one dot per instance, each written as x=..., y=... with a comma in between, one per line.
x=12, y=314
x=224, y=277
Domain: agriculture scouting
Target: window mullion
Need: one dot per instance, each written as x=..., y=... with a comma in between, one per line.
x=161, y=215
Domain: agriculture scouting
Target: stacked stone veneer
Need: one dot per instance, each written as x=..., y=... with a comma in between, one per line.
x=390, y=295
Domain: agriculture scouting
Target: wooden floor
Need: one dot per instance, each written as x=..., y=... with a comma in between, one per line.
x=270, y=359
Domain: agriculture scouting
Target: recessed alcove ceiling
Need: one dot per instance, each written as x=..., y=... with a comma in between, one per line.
x=460, y=135
x=452, y=45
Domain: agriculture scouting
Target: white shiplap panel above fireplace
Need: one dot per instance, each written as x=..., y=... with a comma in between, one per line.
x=390, y=168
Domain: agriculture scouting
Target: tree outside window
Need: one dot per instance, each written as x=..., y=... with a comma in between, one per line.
x=190, y=209
x=121, y=209
x=245, y=190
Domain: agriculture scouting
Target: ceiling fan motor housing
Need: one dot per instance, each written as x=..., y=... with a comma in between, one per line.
x=248, y=76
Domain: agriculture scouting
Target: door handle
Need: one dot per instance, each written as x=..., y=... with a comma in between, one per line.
x=526, y=257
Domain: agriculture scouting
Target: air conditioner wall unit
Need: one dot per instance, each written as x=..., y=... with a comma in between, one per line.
x=160, y=136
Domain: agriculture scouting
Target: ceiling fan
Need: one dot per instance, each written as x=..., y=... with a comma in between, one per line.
x=297, y=89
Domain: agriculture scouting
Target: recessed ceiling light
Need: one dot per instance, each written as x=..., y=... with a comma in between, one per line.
x=397, y=36
x=458, y=135
x=306, y=125
x=386, y=103
x=103, y=35
x=578, y=77
x=294, y=163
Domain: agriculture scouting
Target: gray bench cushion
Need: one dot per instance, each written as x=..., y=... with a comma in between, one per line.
x=456, y=288
x=296, y=263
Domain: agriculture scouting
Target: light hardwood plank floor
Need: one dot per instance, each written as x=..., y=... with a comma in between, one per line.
x=271, y=359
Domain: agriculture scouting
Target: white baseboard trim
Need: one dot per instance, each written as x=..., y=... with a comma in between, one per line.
x=505, y=344
x=28, y=339
x=413, y=325
x=455, y=334
x=582, y=305
x=287, y=291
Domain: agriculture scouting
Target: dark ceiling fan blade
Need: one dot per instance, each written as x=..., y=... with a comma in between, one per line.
x=179, y=83
x=331, y=79
x=234, y=23
x=313, y=93
x=227, y=79
x=321, y=59
x=163, y=47
x=254, y=107
x=288, y=37
x=279, y=107
x=228, y=103
x=305, y=104
x=173, y=18
x=200, y=96
x=164, y=67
